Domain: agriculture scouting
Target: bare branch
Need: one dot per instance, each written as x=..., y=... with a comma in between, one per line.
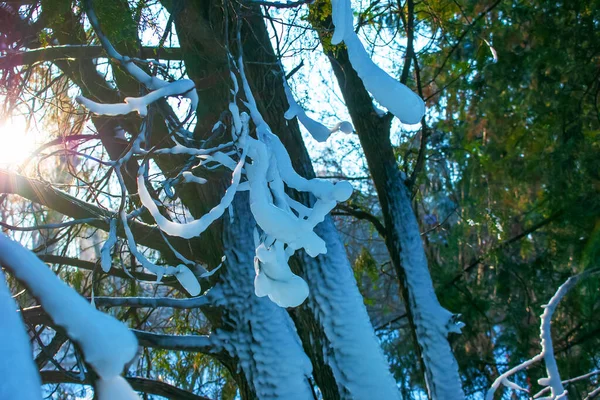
x=196, y=343
x=278, y=4
x=45, y=194
x=91, y=266
x=152, y=302
x=78, y=52
x=362, y=214
x=140, y=384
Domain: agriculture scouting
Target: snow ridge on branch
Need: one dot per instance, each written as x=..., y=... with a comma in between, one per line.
x=393, y=95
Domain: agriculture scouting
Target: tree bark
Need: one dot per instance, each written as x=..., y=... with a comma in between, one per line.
x=430, y=322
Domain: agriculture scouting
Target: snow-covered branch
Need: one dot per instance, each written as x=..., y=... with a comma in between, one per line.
x=552, y=381
x=158, y=87
x=286, y=226
x=317, y=130
x=140, y=104
x=107, y=344
x=567, y=382
x=396, y=97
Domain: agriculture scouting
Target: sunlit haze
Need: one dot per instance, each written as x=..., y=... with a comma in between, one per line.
x=16, y=144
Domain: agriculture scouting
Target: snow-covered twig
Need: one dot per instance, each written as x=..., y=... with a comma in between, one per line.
x=317, y=130
x=183, y=274
x=568, y=381
x=552, y=381
x=593, y=394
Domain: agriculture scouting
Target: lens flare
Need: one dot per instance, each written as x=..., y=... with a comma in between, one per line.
x=16, y=143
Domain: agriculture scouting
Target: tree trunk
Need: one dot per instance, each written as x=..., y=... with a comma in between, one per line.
x=259, y=334
x=333, y=325
x=429, y=321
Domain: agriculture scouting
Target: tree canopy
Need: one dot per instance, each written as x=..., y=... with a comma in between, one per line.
x=300, y=200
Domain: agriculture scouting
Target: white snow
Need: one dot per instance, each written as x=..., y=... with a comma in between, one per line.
x=189, y=177
x=317, y=130
x=275, y=279
x=263, y=336
x=270, y=170
x=188, y=280
x=341, y=11
x=393, y=95
x=552, y=380
x=140, y=105
x=196, y=227
x=105, y=252
x=107, y=344
x=20, y=378
x=114, y=388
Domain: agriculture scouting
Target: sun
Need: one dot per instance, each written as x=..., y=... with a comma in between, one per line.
x=16, y=143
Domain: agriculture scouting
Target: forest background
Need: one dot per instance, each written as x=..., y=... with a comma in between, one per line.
x=502, y=174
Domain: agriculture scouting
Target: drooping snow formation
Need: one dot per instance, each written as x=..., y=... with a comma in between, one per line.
x=393, y=95
x=284, y=228
x=19, y=375
x=106, y=343
x=105, y=252
x=264, y=339
x=140, y=105
x=317, y=130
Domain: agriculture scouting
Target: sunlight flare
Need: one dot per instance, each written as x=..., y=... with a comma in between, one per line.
x=16, y=143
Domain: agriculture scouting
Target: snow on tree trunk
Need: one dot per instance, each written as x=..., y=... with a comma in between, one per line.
x=263, y=339
x=352, y=349
x=432, y=322
x=20, y=378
